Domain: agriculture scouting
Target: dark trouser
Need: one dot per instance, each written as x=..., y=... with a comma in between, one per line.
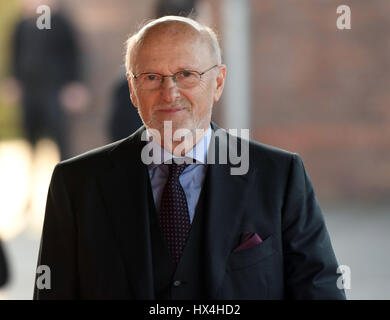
x=3, y=267
x=43, y=116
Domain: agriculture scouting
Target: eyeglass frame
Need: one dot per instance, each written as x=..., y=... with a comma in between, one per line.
x=173, y=76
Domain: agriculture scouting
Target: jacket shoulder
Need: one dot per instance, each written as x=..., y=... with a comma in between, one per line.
x=96, y=158
x=259, y=149
x=91, y=157
x=271, y=158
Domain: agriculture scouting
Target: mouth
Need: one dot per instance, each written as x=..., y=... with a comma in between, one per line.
x=171, y=110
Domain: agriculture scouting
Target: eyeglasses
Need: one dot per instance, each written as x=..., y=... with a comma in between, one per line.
x=184, y=79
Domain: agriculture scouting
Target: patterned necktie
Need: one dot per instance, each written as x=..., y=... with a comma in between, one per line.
x=174, y=216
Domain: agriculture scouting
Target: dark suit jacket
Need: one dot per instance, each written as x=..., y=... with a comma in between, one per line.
x=96, y=236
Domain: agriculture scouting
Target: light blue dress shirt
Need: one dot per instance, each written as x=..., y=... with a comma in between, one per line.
x=191, y=179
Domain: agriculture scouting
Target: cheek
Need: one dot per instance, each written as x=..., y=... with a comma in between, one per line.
x=146, y=102
x=205, y=87
x=208, y=91
x=202, y=96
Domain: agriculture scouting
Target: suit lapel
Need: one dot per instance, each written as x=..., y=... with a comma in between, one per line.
x=123, y=190
x=227, y=200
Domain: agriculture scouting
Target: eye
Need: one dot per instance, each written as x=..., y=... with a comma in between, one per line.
x=149, y=77
x=185, y=74
x=152, y=77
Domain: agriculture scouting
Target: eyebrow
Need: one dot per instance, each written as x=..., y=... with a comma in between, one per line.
x=187, y=68
x=178, y=70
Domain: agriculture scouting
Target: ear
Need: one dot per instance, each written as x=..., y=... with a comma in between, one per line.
x=133, y=97
x=220, y=82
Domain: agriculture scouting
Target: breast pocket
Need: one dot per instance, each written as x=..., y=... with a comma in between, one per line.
x=251, y=256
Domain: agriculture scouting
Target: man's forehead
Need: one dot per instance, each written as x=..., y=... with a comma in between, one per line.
x=168, y=44
x=172, y=32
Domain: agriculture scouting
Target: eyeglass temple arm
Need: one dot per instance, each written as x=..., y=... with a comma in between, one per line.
x=208, y=69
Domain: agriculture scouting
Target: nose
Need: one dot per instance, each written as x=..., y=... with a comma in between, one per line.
x=169, y=90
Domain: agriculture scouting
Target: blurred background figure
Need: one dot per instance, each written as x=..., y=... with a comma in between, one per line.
x=46, y=70
x=123, y=118
x=3, y=267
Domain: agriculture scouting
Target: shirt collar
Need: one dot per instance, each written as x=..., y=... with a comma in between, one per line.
x=198, y=152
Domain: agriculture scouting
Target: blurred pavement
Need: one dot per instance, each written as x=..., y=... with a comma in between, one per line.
x=361, y=238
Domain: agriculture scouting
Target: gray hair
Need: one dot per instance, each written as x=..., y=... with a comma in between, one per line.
x=134, y=40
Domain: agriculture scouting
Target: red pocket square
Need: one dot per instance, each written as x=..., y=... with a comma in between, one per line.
x=248, y=240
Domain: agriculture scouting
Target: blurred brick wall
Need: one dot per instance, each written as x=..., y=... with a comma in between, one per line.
x=324, y=92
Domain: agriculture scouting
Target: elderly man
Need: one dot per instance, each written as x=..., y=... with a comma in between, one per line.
x=118, y=225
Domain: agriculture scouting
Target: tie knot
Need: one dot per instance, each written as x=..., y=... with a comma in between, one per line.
x=175, y=170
